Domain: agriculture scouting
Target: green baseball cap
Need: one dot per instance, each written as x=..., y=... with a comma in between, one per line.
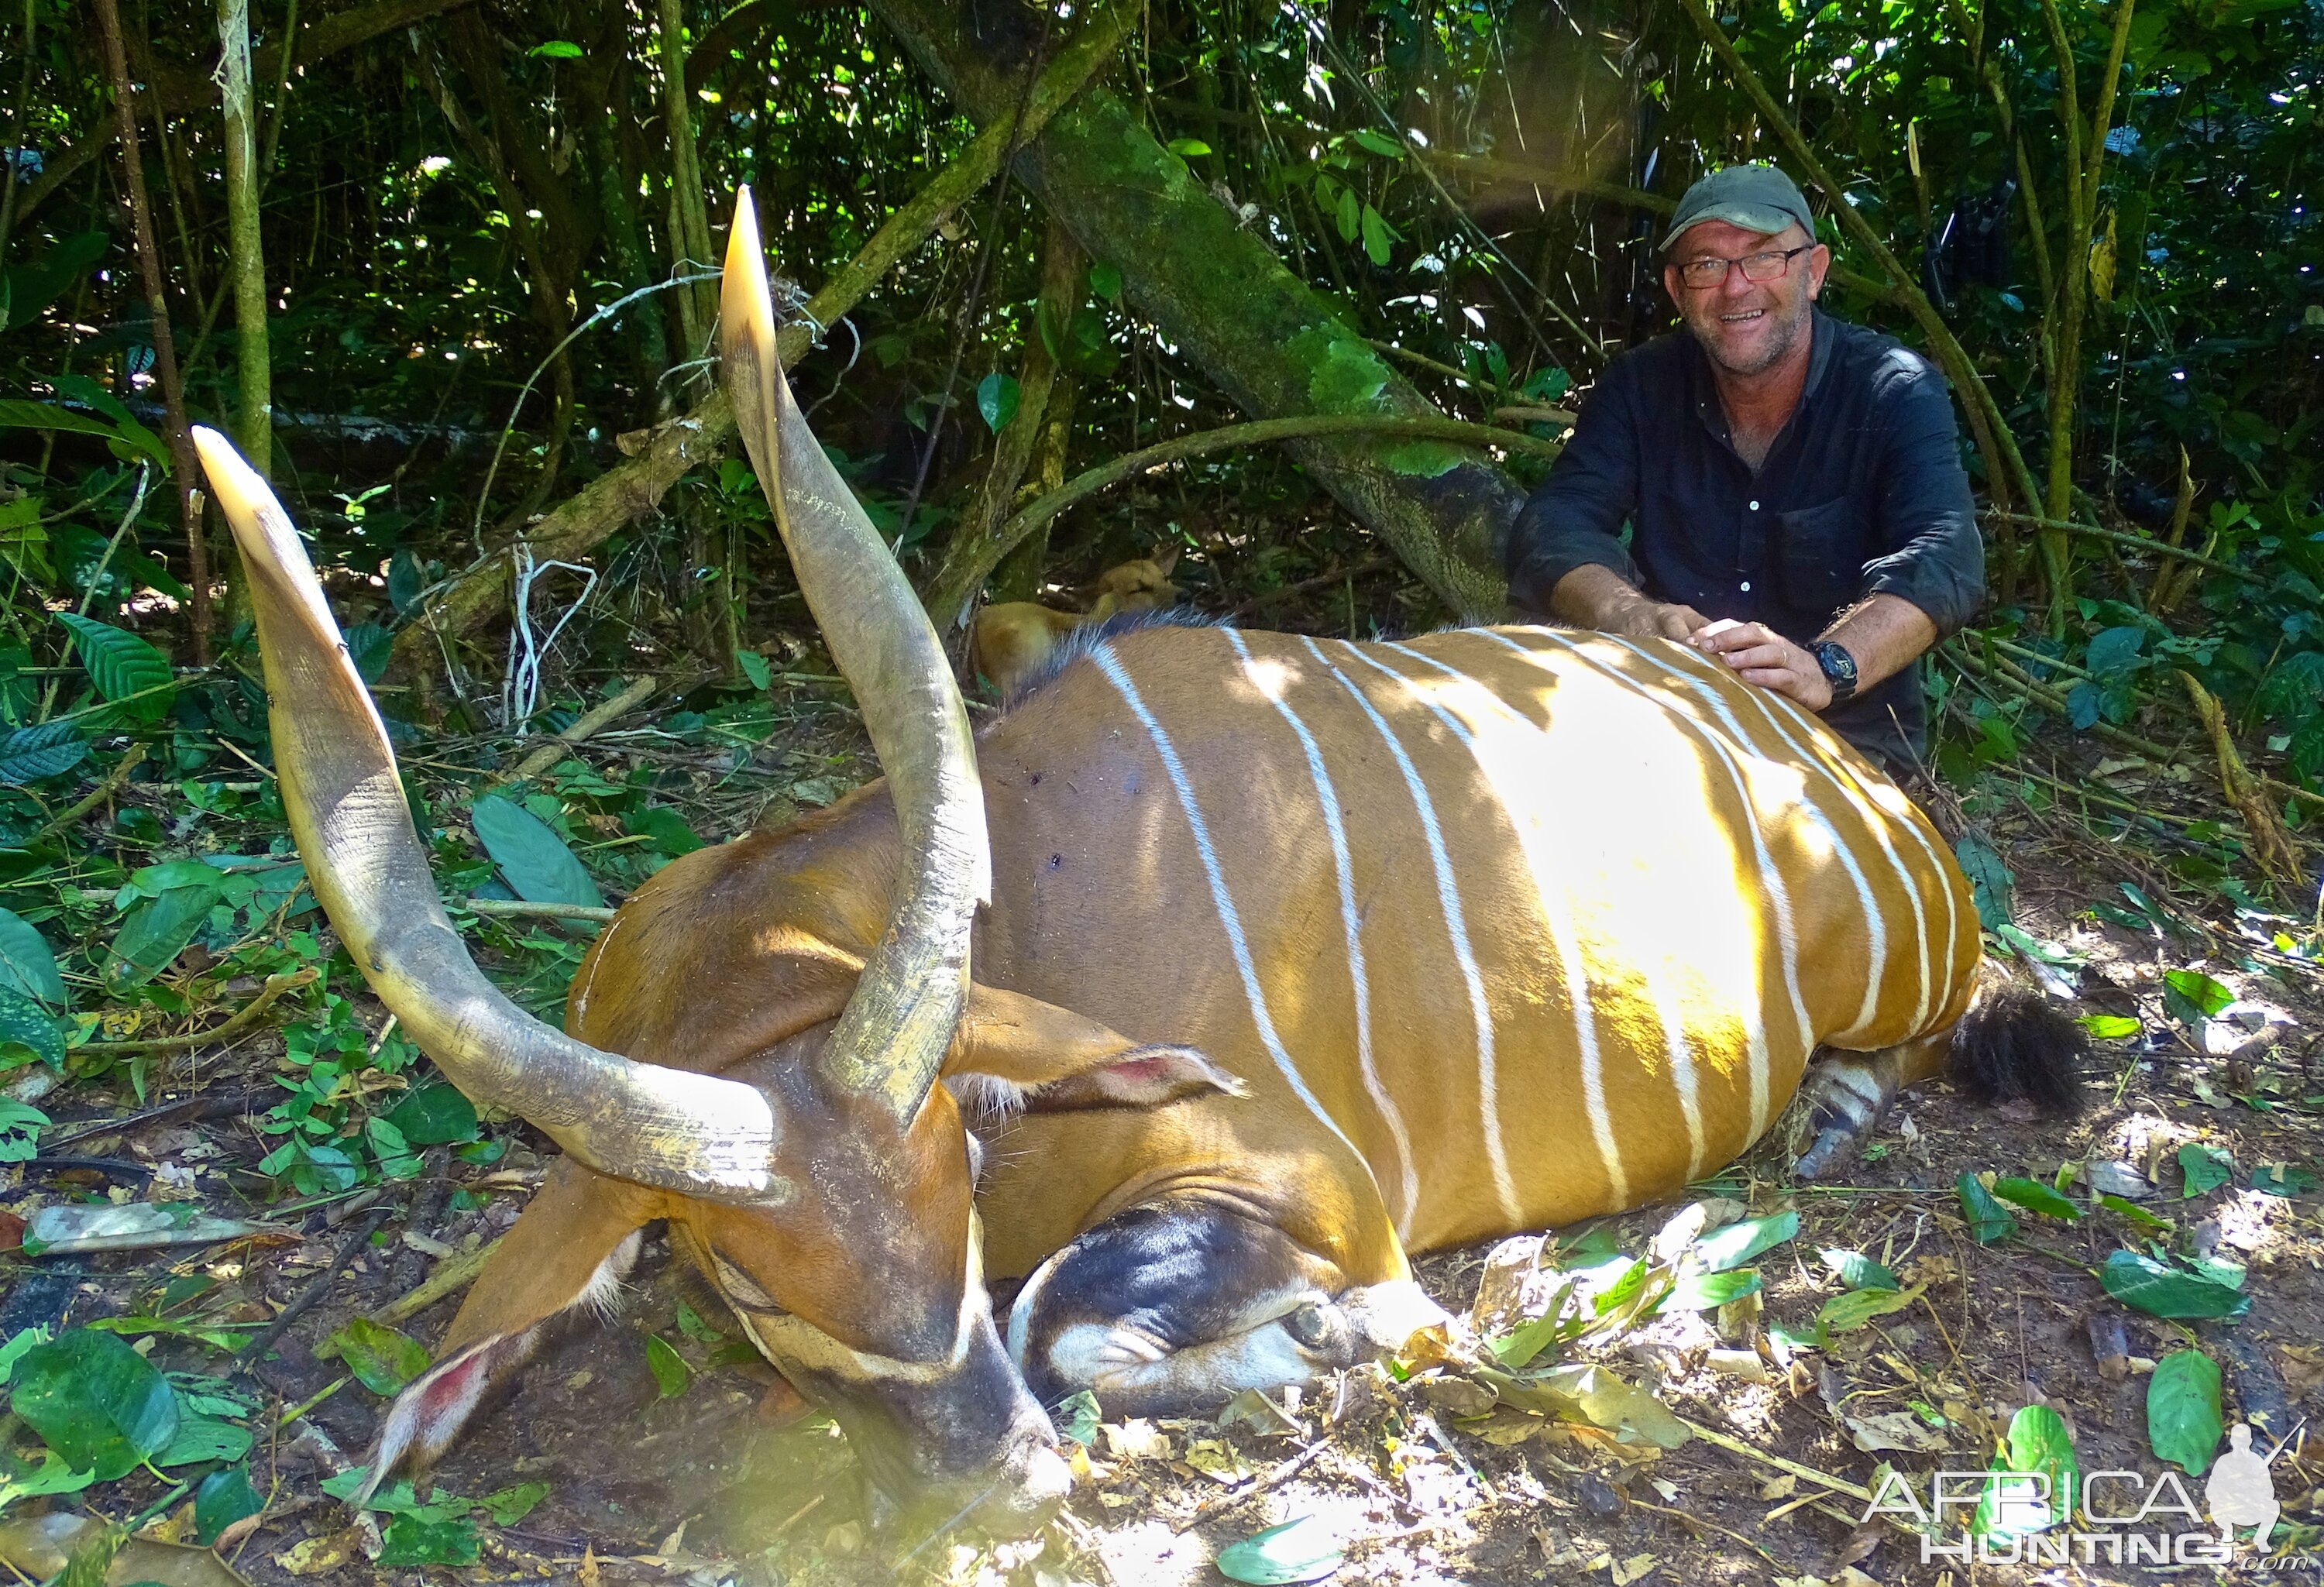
x=1757, y=198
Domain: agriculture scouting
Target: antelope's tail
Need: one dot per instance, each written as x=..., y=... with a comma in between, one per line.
x=2014, y=1044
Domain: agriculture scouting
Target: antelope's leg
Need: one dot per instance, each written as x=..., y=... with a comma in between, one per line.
x=1847, y=1094
x=570, y=1249
x=1173, y=1308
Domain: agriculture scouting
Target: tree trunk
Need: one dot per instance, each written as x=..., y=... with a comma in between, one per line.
x=689, y=220
x=254, y=429
x=165, y=352
x=1276, y=346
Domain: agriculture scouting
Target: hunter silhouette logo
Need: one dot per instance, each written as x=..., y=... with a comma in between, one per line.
x=2240, y=1491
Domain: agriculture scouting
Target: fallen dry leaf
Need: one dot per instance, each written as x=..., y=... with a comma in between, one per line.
x=315, y=1556
x=1633, y=1568
x=1137, y=1439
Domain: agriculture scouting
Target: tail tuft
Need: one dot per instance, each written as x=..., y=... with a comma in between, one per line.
x=2014, y=1043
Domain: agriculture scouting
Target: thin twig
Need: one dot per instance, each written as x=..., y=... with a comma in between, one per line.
x=304, y=1301
x=1210, y=1509
x=1713, y=1436
x=95, y=795
x=2135, y=542
x=242, y=1018
x=588, y=723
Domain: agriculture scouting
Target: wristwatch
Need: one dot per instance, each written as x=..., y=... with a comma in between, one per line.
x=1839, y=668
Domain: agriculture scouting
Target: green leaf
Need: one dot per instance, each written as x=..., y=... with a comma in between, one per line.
x=1379, y=143
x=434, y=1115
x=556, y=50
x=754, y=668
x=26, y=1027
x=117, y=661
x=1989, y=1220
x=1739, y=1242
x=2145, y=1285
x=19, y=1345
x=222, y=1499
x=414, y=1540
x=997, y=399
x=1105, y=281
x=535, y=860
x=1298, y=1550
x=20, y=1130
x=2038, y=1444
x=2206, y=1170
x=671, y=1375
x=35, y=754
x=26, y=963
x=98, y=1403
x=2113, y=650
x=2111, y=1027
x=1701, y=1291
x=2282, y=1179
x=370, y=646
x=54, y=1475
x=511, y=1505
x=2183, y=1419
x=204, y=1438
x=690, y=1323
x=1527, y=1340
x=1187, y=148
x=1349, y=215
x=1077, y=1417
x=1845, y=1314
x=2037, y=1197
x=2189, y=995
x=154, y=932
x=1378, y=236
x=667, y=829
x=381, y=1358
x=1858, y=1271
x=2124, y=1207
x=1990, y=882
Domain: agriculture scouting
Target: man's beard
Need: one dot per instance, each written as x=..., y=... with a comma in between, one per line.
x=1784, y=334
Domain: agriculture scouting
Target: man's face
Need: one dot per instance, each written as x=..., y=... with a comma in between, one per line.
x=1746, y=327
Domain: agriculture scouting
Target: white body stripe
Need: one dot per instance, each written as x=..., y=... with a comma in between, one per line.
x=1229, y=920
x=1858, y=797
x=1351, y=930
x=1456, y=927
x=1559, y=918
x=1788, y=940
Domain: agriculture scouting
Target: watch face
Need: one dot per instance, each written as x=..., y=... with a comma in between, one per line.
x=1839, y=667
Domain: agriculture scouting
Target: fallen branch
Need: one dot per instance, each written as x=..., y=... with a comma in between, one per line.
x=2272, y=847
x=95, y=796
x=525, y=908
x=2004, y=674
x=1257, y=432
x=631, y=490
x=1210, y=1509
x=1737, y=1446
x=446, y=1277
x=2135, y=542
x=242, y=1019
x=1362, y=569
x=589, y=722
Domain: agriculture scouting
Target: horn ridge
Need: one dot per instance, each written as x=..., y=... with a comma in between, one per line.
x=667, y=1128
x=907, y=1003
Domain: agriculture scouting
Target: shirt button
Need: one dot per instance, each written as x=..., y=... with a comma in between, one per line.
x=1755, y=506
x=1747, y=586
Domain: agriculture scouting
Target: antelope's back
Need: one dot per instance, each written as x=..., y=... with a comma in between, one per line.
x=1537, y=924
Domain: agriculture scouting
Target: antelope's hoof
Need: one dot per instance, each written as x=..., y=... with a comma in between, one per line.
x=1846, y=1101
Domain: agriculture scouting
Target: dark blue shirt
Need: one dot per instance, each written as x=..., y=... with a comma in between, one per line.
x=1862, y=493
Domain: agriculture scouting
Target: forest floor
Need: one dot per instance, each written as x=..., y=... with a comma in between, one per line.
x=711, y=1473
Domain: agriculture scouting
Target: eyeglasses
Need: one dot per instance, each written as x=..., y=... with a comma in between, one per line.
x=1699, y=273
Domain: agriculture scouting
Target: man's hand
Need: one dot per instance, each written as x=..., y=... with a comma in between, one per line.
x=1761, y=655
x=1644, y=618
x=1591, y=596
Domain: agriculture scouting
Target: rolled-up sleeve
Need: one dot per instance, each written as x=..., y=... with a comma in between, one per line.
x=1575, y=519
x=1927, y=521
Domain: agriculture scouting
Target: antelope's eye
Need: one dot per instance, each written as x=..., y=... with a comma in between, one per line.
x=740, y=1288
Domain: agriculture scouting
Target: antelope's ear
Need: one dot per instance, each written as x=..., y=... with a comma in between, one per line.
x=1017, y=1054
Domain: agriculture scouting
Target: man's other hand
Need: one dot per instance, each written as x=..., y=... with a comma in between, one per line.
x=1761, y=655
x=1593, y=596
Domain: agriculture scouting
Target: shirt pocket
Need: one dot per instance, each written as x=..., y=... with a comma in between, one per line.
x=1820, y=559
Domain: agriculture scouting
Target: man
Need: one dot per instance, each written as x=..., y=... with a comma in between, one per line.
x=1793, y=483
